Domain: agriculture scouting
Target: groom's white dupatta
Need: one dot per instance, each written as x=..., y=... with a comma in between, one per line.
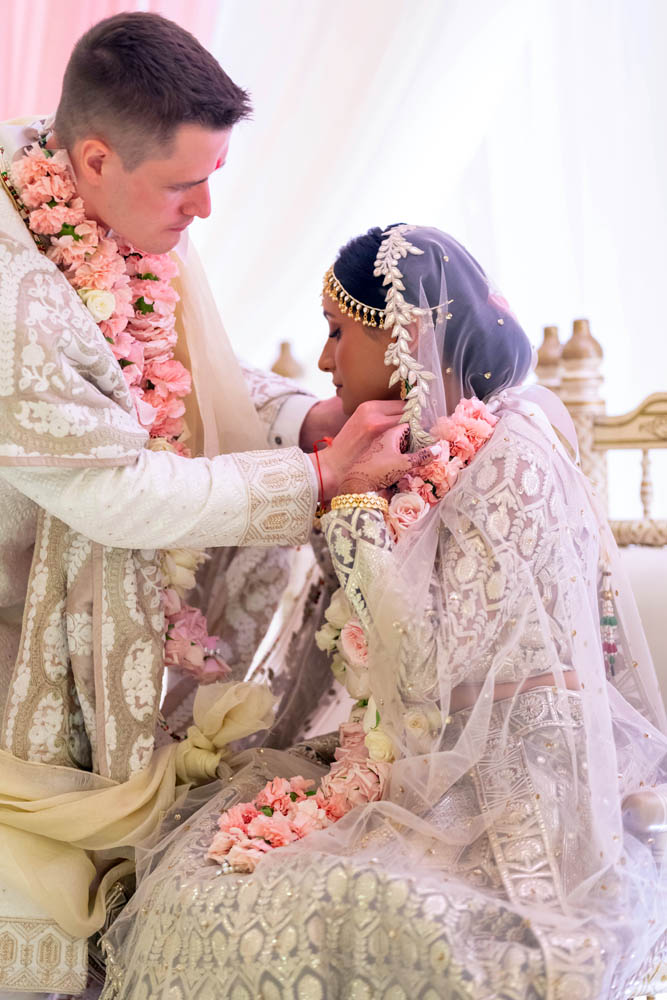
x=80, y=782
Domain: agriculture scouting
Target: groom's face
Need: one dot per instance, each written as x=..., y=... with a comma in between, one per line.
x=152, y=204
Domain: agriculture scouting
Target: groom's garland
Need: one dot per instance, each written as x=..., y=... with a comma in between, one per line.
x=129, y=295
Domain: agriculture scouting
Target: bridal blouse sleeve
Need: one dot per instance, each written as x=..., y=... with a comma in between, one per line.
x=164, y=501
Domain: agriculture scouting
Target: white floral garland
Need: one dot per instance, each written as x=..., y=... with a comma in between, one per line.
x=398, y=316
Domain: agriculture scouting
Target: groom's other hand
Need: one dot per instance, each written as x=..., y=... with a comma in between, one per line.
x=324, y=419
x=368, y=453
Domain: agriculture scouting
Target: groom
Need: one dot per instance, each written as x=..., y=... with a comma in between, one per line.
x=146, y=116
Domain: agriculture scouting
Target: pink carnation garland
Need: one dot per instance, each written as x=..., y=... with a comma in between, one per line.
x=129, y=295
x=288, y=810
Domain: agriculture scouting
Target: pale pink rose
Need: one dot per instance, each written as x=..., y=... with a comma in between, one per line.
x=237, y=817
x=405, y=509
x=169, y=378
x=351, y=736
x=353, y=643
x=352, y=782
x=220, y=846
x=276, y=829
x=172, y=602
x=276, y=795
x=245, y=856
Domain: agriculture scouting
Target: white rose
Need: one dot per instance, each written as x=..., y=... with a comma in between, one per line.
x=179, y=567
x=417, y=730
x=379, y=745
x=100, y=303
x=370, y=719
x=326, y=638
x=405, y=509
x=338, y=669
x=357, y=681
x=339, y=610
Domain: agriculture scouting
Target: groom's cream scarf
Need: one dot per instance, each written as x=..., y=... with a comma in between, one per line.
x=86, y=684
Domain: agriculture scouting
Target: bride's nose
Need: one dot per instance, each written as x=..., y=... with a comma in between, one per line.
x=326, y=362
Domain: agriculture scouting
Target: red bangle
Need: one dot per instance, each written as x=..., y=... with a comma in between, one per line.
x=321, y=509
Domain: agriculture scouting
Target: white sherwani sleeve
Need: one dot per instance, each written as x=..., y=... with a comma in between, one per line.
x=165, y=501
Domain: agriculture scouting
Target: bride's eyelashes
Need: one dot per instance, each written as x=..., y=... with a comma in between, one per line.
x=334, y=334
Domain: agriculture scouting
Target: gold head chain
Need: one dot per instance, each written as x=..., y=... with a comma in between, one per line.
x=348, y=305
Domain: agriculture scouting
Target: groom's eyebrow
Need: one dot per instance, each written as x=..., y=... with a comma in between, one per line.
x=189, y=184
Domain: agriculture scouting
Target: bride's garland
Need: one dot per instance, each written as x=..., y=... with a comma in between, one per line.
x=286, y=811
x=129, y=295
x=458, y=439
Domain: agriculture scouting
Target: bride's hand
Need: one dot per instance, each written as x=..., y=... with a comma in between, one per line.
x=367, y=453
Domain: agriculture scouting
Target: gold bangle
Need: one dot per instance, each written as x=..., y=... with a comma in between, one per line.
x=368, y=501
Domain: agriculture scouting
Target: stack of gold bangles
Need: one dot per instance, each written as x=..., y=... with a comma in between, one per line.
x=369, y=501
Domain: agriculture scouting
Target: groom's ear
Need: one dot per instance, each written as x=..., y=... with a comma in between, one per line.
x=93, y=157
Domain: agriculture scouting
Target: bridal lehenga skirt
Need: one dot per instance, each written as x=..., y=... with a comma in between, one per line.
x=319, y=926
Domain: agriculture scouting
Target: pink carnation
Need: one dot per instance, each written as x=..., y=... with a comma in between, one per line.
x=46, y=188
x=353, y=643
x=276, y=794
x=220, y=846
x=308, y=816
x=470, y=425
x=351, y=736
x=153, y=291
x=169, y=378
x=276, y=830
x=246, y=855
x=237, y=817
x=163, y=266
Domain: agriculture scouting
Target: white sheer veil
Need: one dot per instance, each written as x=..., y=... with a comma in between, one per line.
x=479, y=591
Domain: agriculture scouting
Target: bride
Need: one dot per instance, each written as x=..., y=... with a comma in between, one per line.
x=467, y=841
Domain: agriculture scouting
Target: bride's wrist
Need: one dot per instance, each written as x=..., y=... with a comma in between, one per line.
x=327, y=479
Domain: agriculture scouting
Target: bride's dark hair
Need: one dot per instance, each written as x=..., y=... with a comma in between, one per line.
x=499, y=344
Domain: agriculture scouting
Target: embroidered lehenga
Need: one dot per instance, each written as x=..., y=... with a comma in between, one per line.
x=496, y=864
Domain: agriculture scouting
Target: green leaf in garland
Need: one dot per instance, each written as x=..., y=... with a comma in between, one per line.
x=148, y=276
x=124, y=362
x=362, y=703
x=68, y=230
x=293, y=796
x=143, y=307
x=311, y=791
x=267, y=810
x=377, y=719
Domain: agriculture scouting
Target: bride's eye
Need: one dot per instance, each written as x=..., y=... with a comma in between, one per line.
x=335, y=334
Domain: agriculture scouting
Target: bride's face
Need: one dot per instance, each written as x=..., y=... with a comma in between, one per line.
x=354, y=356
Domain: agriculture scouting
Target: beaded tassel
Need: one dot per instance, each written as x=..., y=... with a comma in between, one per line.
x=608, y=625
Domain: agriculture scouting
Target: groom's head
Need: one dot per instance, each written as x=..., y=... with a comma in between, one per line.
x=146, y=114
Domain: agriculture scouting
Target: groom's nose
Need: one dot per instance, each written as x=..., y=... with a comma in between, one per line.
x=198, y=201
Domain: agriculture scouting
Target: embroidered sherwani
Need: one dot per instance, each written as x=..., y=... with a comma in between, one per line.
x=86, y=508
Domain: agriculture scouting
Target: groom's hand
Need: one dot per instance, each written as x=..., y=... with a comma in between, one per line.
x=368, y=453
x=324, y=419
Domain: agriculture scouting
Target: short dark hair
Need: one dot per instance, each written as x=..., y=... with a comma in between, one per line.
x=134, y=78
